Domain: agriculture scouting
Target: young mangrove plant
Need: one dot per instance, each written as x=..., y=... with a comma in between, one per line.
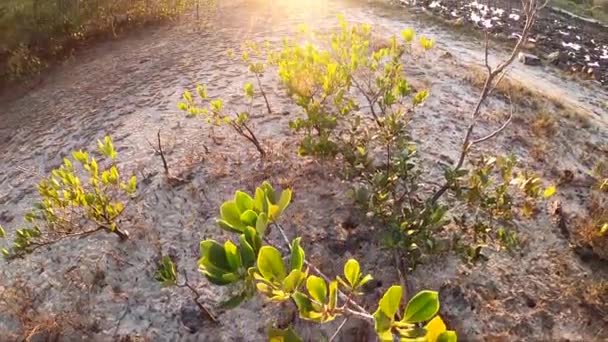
x=255, y=57
x=328, y=74
x=215, y=114
x=82, y=196
x=255, y=265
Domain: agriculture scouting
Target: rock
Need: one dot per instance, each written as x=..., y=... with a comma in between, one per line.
x=553, y=57
x=528, y=59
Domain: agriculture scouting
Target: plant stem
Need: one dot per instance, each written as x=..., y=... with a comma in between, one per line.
x=362, y=312
x=162, y=154
x=257, y=77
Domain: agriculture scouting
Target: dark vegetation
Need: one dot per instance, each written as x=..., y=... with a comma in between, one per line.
x=36, y=32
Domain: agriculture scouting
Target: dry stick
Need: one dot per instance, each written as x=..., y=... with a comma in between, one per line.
x=333, y=337
x=530, y=7
x=37, y=245
x=204, y=312
x=162, y=154
x=263, y=93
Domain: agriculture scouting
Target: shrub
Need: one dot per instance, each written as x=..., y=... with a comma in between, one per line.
x=256, y=266
x=69, y=203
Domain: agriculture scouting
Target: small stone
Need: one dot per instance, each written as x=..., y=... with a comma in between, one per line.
x=553, y=57
x=528, y=59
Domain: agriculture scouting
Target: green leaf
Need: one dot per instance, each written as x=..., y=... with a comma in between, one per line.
x=249, y=90
x=293, y=281
x=317, y=288
x=243, y=201
x=422, y=307
x=333, y=295
x=187, y=96
x=389, y=303
x=448, y=336
x=232, y=255
x=550, y=191
x=261, y=224
x=284, y=200
x=231, y=215
x=434, y=328
x=247, y=253
x=283, y=335
x=270, y=264
x=213, y=259
x=269, y=192
x=365, y=280
x=2, y=233
x=352, y=272
x=297, y=255
x=202, y=91
x=408, y=34
x=259, y=200
x=249, y=218
x=420, y=97
x=303, y=303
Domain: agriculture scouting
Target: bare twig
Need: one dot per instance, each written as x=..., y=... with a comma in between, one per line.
x=494, y=76
x=206, y=314
x=162, y=154
x=333, y=337
x=257, y=77
x=35, y=245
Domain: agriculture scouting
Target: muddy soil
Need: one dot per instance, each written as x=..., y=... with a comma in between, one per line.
x=103, y=290
x=574, y=45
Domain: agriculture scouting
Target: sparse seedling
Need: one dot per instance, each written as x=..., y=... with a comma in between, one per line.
x=214, y=113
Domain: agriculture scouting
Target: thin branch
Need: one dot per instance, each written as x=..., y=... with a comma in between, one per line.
x=204, y=312
x=530, y=8
x=333, y=337
x=263, y=93
x=162, y=154
x=497, y=131
x=35, y=245
x=361, y=310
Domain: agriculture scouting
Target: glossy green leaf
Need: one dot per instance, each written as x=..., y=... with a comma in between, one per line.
x=389, y=303
x=448, y=336
x=297, y=255
x=434, y=328
x=243, y=201
x=270, y=264
x=333, y=295
x=249, y=218
x=317, y=288
x=232, y=255
x=352, y=272
x=261, y=224
x=293, y=281
x=284, y=200
x=422, y=307
x=283, y=335
x=247, y=252
x=231, y=215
